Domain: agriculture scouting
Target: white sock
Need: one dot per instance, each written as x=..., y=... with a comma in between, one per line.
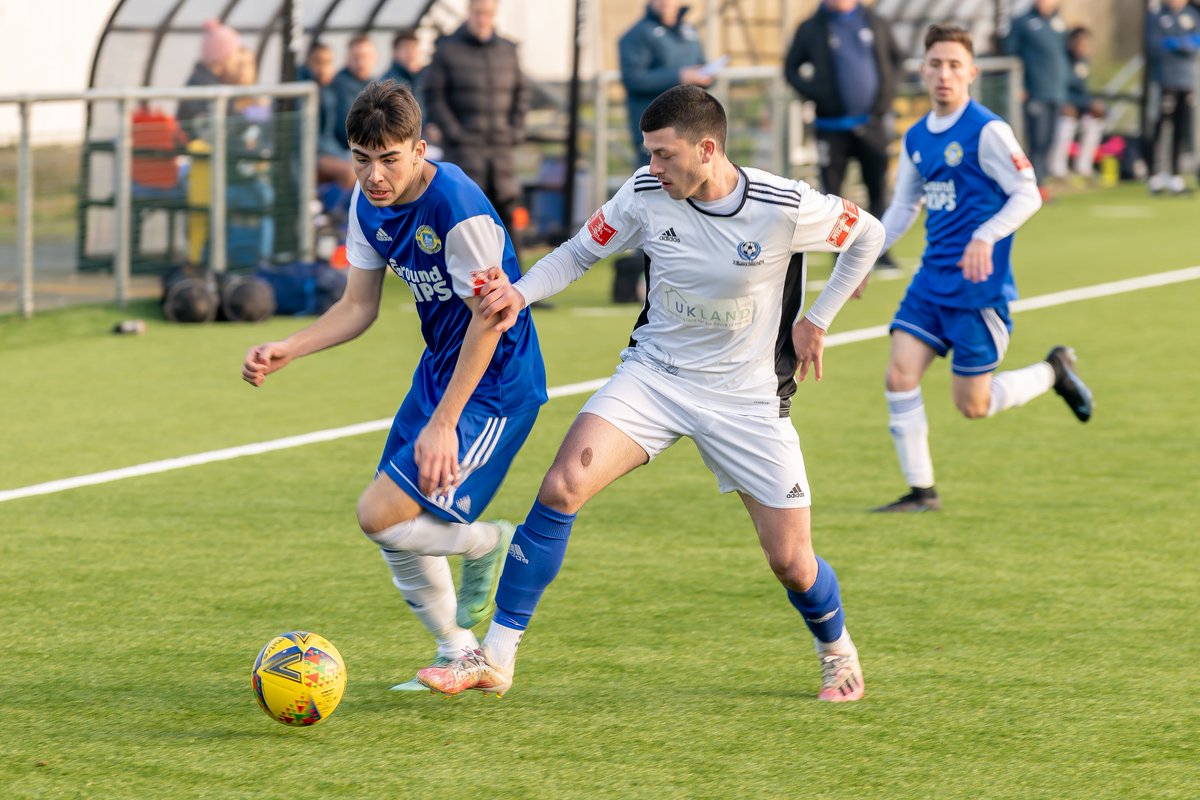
x=501, y=644
x=1091, y=132
x=1018, y=386
x=429, y=536
x=842, y=644
x=428, y=588
x=1064, y=134
x=910, y=431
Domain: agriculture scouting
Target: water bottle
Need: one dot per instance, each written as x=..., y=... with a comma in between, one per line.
x=1110, y=171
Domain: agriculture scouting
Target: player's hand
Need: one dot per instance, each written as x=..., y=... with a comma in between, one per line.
x=694, y=76
x=809, y=342
x=976, y=261
x=262, y=360
x=861, y=289
x=436, y=455
x=501, y=298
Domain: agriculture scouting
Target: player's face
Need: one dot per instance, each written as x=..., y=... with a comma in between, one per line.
x=678, y=164
x=948, y=70
x=391, y=174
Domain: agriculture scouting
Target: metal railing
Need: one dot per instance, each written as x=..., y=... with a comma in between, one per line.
x=786, y=146
x=123, y=152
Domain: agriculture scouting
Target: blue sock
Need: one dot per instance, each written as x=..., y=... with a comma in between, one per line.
x=534, y=558
x=821, y=605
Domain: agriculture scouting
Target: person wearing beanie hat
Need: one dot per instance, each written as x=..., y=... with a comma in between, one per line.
x=219, y=47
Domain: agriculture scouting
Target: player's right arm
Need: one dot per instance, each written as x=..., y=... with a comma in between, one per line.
x=345, y=320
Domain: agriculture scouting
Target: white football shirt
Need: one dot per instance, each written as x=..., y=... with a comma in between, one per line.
x=723, y=290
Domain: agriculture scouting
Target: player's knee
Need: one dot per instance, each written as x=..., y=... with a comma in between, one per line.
x=897, y=379
x=793, y=571
x=374, y=516
x=560, y=490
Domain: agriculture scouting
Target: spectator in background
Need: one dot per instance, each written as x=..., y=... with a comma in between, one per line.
x=477, y=97
x=1039, y=39
x=352, y=79
x=1173, y=40
x=845, y=60
x=658, y=52
x=1082, y=113
x=333, y=160
x=406, y=60
x=219, y=63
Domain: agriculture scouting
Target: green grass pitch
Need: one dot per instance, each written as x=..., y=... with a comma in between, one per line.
x=1036, y=639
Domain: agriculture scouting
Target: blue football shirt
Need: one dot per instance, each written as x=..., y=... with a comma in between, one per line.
x=959, y=198
x=435, y=244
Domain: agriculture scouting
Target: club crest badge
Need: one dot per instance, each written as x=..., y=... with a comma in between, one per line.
x=953, y=154
x=749, y=251
x=427, y=240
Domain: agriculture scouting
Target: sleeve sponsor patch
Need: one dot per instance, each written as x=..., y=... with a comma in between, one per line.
x=478, y=281
x=602, y=233
x=845, y=223
x=1021, y=161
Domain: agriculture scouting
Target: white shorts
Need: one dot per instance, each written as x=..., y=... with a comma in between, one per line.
x=756, y=455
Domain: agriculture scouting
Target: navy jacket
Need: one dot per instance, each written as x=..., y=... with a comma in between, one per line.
x=652, y=54
x=1041, y=44
x=1174, y=40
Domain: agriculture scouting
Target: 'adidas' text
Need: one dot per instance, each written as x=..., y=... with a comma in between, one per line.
x=668, y=236
x=795, y=493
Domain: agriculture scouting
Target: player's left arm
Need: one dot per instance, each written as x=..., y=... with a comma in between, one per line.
x=827, y=223
x=436, y=448
x=1001, y=157
x=474, y=249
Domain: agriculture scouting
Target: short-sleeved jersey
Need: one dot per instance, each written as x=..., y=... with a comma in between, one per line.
x=436, y=244
x=959, y=197
x=723, y=291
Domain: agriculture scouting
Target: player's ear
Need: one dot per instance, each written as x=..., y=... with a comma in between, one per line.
x=708, y=148
x=418, y=150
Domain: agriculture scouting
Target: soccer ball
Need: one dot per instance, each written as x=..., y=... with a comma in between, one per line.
x=299, y=678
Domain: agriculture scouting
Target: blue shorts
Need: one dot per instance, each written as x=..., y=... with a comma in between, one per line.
x=486, y=448
x=978, y=336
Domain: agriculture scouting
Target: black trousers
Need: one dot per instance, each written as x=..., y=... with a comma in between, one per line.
x=868, y=145
x=1174, y=107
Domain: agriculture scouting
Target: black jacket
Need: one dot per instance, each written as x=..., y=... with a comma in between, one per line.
x=475, y=92
x=811, y=46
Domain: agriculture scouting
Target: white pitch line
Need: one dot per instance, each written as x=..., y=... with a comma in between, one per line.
x=287, y=442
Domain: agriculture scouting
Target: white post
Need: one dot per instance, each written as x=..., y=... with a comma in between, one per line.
x=25, y=214
x=123, y=195
x=308, y=173
x=217, y=165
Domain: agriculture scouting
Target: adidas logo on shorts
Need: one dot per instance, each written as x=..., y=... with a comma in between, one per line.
x=796, y=493
x=668, y=236
x=514, y=551
x=381, y=235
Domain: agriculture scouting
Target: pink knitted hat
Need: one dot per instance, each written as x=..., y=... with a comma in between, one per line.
x=219, y=42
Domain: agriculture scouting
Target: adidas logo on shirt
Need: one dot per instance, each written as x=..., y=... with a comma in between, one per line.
x=668, y=236
x=796, y=493
x=381, y=235
x=514, y=551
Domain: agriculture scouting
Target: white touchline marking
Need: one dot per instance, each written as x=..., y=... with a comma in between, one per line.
x=287, y=442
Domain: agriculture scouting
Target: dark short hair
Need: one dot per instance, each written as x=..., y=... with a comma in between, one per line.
x=316, y=45
x=691, y=111
x=949, y=33
x=404, y=35
x=1078, y=32
x=385, y=112
x=359, y=39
